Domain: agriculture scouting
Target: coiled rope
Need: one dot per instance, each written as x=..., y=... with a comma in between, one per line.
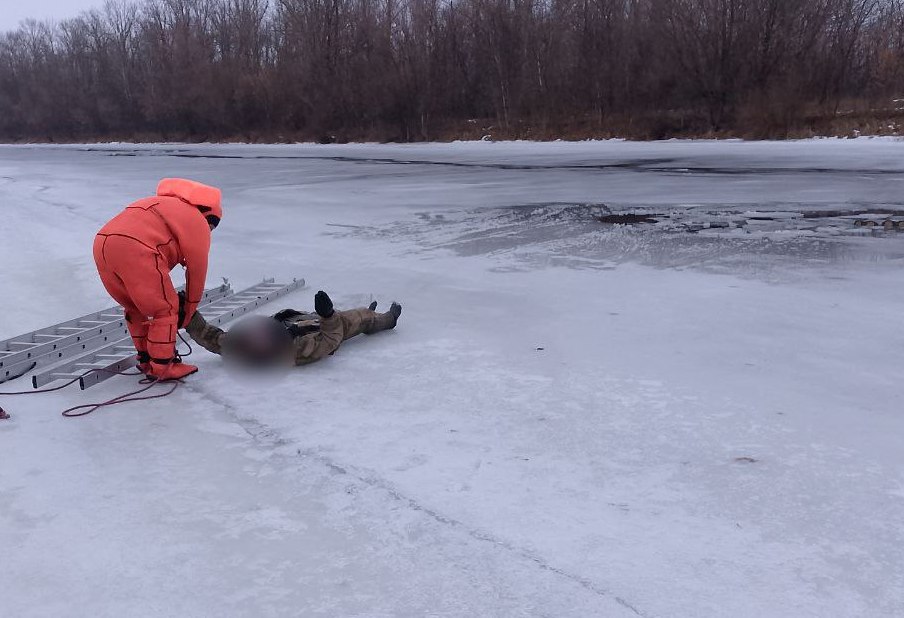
x=88, y=408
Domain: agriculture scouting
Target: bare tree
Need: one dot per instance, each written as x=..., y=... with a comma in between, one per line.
x=425, y=69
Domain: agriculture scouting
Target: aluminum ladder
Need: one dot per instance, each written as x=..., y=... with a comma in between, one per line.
x=53, y=344
x=114, y=356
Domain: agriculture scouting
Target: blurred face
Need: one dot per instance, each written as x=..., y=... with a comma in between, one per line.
x=252, y=372
x=251, y=361
x=258, y=342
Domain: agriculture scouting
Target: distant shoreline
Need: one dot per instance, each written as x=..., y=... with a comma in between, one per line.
x=160, y=140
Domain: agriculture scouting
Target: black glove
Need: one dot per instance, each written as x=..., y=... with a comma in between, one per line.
x=181, y=322
x=285, y=314
x=323, y=305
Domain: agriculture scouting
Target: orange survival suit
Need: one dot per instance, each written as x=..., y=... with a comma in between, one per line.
x=136, y=250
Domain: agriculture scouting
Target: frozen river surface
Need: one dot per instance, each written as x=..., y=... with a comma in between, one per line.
x=699, y=415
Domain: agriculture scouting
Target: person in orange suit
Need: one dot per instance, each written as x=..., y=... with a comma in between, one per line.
x=135, y=252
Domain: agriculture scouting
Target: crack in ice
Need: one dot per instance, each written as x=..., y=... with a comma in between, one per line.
x=266, y=436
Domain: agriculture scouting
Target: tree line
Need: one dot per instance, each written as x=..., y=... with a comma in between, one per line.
x=436, y=69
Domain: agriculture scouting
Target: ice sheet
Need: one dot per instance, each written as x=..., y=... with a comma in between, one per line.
x=572, y=419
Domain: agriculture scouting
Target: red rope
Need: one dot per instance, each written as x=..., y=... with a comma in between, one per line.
x=92, y=407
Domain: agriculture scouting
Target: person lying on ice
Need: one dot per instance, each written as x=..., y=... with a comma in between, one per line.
x=135, y=252
x=291, y=336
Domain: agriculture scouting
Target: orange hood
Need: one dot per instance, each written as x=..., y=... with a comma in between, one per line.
x=205, y=198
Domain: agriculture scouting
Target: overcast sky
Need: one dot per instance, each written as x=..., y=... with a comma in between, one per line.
x=14, y=11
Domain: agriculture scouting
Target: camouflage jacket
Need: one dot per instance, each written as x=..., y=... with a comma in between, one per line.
x=318, y=337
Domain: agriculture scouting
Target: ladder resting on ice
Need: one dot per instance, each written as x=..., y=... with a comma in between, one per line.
x=97, y=346
x=53, y=344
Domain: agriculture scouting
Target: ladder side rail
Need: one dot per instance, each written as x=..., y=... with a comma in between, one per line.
x=114, y=368
x=266, y=290
x=73, y=366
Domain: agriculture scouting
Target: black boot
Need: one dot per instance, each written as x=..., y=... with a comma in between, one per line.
x=395, y=310
x=384, y=321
